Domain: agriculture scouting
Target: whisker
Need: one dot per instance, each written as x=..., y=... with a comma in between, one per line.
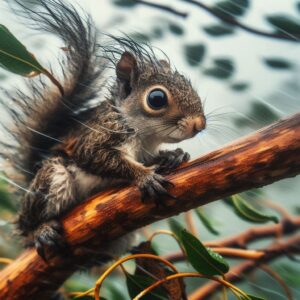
x=223, y=114
x=14, y=184
x=162, y=129
x=218, y=115
x=172, y=131
x=156, y=127
x=42, y=134
x=105, y=128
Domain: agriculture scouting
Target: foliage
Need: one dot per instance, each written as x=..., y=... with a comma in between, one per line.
x=15, y=57
x=247, y=212
x=231, y=8
x=194, y=53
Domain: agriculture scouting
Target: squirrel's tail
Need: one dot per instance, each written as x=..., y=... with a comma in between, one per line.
x=41, y=118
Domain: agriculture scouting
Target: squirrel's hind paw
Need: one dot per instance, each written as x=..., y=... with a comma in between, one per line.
x=49, y=240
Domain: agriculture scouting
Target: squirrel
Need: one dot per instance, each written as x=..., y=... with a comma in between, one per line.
x=66, y=147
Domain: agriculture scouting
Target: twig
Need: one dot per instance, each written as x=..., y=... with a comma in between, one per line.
x=277, y=207
x=163, y=7
x=225, y=18
x=54, y=81
x=188, y=216
x=287, y=226
x=184, y=275
x=5, y=261
x=246, y=267
x=120, y=262
x=233, y=21
x=239, y=253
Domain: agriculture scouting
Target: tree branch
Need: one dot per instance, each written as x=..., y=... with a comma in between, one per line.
x=225, y=18
x=260, y=158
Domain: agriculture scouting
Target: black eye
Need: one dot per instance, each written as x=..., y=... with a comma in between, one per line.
x=157, y=99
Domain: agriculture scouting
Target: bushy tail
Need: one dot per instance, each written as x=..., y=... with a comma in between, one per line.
x=41, y=118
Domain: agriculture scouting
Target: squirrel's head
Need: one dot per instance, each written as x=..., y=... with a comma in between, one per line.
x=160, y=103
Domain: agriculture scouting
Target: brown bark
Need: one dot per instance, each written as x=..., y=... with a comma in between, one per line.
x=261, y=158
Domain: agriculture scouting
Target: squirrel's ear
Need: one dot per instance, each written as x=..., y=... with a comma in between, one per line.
x=164, y=64
x=126, y=67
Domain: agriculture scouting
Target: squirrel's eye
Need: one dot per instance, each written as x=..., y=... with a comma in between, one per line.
x=157, y=99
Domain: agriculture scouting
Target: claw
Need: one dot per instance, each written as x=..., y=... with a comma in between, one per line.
x=155, y=186
x=48, y=237
x=170, y=160
x=186, y=157
x=165, y=182
x=40, y=250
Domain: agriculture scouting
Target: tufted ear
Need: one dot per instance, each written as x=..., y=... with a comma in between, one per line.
x=164, y=64
x=126, y=67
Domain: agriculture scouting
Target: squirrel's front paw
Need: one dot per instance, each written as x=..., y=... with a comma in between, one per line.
x=49, y=239
x=153, y=186
x=167, y=160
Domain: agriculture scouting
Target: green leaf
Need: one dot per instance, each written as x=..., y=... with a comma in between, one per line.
x=284, y=24
x=260, y=113
x=116, y=293
x=239, y=86
x=290, y=273
x=248, y=212
x=176, y=29
x=218, y=30
x=206, y=221
x=140, y=37
x=203, y=259
x=14, y=57
x=137, y=283
x=251, y=297
x=232, y=8
x=263, y=113
x=157, y=33
x=222, y=69
x=278, y=63
x=176, y=227
x=194, y=53
x=125, y=3
x=255, y=194
x=297, y=210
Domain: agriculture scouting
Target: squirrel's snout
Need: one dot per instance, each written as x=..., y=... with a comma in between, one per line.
x=199, y=124
x=193, y=125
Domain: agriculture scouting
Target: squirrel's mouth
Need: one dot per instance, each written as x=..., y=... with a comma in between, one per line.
x=187, y=128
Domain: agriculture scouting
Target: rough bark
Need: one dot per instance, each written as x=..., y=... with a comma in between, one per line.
x=258, y=159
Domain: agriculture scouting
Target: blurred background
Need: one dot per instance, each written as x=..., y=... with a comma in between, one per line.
x=246, y=80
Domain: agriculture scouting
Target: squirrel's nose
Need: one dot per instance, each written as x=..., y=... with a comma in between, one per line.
x=199, y=124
